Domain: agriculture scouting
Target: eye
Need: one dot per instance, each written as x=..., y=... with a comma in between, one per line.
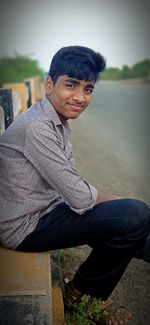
x=69, y=85
x=89, y=90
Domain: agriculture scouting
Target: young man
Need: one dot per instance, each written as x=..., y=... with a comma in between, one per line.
x=45, y=204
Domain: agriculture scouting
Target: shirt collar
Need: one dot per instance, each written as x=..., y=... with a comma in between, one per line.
x=52, y=113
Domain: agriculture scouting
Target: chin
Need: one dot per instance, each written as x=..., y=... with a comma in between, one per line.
x=72, y=117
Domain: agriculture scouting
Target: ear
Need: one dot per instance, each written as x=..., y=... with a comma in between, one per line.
x=48, y=86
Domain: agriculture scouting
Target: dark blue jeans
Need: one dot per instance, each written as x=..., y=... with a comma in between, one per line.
x=117, y=230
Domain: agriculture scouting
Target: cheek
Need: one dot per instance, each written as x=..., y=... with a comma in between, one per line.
x=58, y=98
x=61, y=96
x=89, y=99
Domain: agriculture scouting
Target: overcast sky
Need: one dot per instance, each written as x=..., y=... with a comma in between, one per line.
x=118, y=29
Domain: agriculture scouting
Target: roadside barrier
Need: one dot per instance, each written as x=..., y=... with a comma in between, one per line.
x=16, y=98
x=34, y=89
x=6, y=104
x=19, y=88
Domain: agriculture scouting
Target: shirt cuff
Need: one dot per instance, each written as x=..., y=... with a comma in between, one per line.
x=94, y=195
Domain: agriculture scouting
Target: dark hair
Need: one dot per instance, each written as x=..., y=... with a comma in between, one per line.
x=77, y=62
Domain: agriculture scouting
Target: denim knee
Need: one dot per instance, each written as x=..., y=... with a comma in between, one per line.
x=140, y=212
x=143, y=212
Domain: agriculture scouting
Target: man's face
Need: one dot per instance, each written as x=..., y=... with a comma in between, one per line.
x=69, y=96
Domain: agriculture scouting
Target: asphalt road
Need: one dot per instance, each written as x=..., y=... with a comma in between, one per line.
x=111, y=139
x=112, y=147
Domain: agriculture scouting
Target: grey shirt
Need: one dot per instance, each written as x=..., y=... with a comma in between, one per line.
x=37, y=172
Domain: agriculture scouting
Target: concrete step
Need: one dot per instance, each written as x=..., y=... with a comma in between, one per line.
x=25, y=288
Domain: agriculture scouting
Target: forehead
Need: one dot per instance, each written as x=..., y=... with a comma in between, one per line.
x=66, y=78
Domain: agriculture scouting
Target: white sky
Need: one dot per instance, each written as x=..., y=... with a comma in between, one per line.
x=118, y=29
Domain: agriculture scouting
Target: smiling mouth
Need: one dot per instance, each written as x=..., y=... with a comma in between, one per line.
x=76, y=107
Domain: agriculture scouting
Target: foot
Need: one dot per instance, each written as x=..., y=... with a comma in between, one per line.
x=120, y=317
x=113, y=315
x=106, y=312
x=110, y=313
x=71, y=295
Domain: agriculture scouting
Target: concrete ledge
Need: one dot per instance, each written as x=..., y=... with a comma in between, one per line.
x=25, y=288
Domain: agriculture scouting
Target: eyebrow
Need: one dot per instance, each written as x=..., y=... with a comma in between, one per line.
x=77, y=82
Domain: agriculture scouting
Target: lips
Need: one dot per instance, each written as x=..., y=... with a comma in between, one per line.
x=76, y=107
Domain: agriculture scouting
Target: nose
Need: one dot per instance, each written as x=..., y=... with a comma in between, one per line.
x=79, y=95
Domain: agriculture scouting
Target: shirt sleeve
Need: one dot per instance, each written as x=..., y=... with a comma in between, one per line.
x=43, y=149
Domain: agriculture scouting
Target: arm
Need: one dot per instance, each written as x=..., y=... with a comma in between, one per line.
x=44, y=150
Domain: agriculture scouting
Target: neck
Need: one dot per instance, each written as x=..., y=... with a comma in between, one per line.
x=61, y=117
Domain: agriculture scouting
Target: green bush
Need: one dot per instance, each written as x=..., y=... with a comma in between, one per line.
x=138, y=70
x=18, y=68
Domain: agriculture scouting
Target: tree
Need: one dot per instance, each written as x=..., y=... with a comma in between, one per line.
x=139, y=70
x=111, y=74
x=125, y=72
x=19, y=68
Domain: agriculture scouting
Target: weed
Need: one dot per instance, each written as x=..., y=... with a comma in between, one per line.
x=88, y=312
